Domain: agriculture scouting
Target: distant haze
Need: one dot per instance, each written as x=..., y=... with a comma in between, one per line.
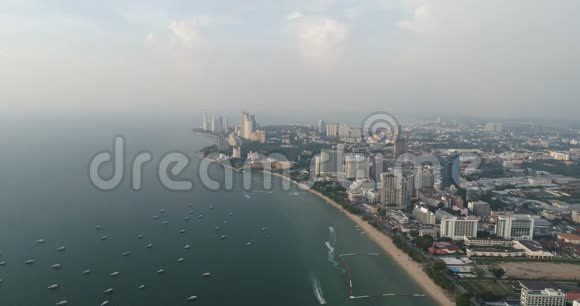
x=504, y=59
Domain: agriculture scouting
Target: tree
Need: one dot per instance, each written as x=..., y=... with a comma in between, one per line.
x=497, y=271
x=463, y=300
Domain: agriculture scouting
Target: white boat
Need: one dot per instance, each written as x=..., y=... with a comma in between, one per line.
x=180, y=259
x=231, y=214
x=192, y=298
x=187, y=218
x=105, y=303
x=182, y=231
x=217, y=228
x=52, y=287
x=211, y=207
x=200, y=216
x=3, y=263
x=187, y=247
x=60, y=249
x=223, y=236
x=114, y=274
x=263, y=229
x=155, y=217
x=206, y=274
x=248, y=243
x=1, y=281
x=109, y=291
x=162, y=210
x=55, y=266
x=142, y=287
x=139, y=236
x=62, y=302
x=29, y=262
x=103, y=237
x=126, y=253
x=86, y=272
x=40, y=241
x=160, y=271
x=164, y=222
x=247, y=196
x=149, y=246
x=189, y=205
x=98, y=227
x=225, y=222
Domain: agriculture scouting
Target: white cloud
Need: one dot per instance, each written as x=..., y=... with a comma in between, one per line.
x=420, y=23
x=320, y=39
x=186, y=33
x=190, y=33
x=294, y=15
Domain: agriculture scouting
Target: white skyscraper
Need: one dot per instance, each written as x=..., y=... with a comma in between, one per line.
x=356, y=166
x=456, y=227
x=515, y=227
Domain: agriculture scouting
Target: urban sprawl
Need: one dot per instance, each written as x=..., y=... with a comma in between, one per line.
x=490, y=210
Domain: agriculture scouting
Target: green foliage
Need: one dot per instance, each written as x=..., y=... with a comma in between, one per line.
x=463, y=300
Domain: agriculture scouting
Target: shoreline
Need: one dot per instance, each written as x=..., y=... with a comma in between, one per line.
x=386, y=243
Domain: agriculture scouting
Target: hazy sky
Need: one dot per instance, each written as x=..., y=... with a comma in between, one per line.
x=480, y=58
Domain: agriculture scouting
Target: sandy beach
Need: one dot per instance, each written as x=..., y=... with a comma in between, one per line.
x=412, y=268
x=386, y=243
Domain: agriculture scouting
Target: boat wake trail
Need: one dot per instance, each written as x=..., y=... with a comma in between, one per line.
x=332, y=255
x=332, y=235
x=330, y=246
x=317, y=290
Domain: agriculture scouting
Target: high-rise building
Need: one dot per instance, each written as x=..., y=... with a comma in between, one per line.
x=344, y=131
x=322, y=127
x=332, y=130
x=356, y=166
x=388, y=188
x=449, y=169
x=400, y=145
x=456, y=227
x=515, y=227
x=247, y=125
x=424, y=215
x=204, y=122
x=330, y=163
x=356, y=133
x=424, y=179
x=493, y=127
x=479, y=208
x=394, y=190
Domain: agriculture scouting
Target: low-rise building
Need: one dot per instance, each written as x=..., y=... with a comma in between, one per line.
x=532, y=249
x=570, y=238
x=488, y=242
x=533, y=294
